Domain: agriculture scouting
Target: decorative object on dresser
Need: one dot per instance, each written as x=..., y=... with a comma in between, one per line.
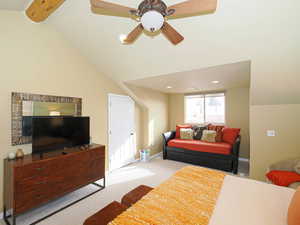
x=19, y=153
x=11, y=155
x=35, y=180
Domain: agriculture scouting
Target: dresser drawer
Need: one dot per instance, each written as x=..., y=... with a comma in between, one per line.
x=34, y=170
x=38, y=181
x=29, y=200
x=33, y=192
x=96, y=153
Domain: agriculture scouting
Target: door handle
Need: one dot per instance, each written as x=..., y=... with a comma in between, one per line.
x=132, y=133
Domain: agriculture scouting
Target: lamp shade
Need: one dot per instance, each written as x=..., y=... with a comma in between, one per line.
x=152, y=21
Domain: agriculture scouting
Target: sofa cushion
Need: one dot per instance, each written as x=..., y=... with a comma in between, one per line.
x=187, y=133
x=178, y=127
x=198, y=131
x=283, y=178
x=209, y=136
x=219, y=131
x=201, y=146
x=230, y=135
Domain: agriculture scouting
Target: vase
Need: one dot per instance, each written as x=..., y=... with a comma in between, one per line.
x=19, y=153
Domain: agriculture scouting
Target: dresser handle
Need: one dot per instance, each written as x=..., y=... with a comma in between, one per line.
x=39, y=168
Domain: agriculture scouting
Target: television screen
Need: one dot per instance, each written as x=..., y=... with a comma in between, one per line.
x=51, y=133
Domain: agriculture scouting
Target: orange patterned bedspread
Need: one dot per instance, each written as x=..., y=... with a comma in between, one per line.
x=188, y=197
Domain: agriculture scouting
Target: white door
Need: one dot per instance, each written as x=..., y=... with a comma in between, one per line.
x=121, y=131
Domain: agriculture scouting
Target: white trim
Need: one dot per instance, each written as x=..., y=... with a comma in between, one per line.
x=122, y=96
x=244, y=160
x=156, y=155
x=1, y=215
x=150, y=158
x=204, y=96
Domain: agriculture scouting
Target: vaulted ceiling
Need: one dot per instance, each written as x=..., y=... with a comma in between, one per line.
x=97, y=37
x=264, y=32
x=18, y=5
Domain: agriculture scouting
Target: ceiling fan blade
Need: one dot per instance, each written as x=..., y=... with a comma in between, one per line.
x=133, y=35
x=194, y=7
x=171, y=33
x=112, y=7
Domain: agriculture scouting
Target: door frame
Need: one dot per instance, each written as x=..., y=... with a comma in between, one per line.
x=108, y=122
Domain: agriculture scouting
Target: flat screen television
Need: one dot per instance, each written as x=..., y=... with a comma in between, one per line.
x=52, y=133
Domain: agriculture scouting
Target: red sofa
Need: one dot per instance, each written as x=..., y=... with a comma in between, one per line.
x=201, y=146
x=219, y=155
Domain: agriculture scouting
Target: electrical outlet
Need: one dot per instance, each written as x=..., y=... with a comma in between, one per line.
x=271, y=133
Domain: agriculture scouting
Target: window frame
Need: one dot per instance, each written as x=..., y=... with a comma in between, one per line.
x=204, y=108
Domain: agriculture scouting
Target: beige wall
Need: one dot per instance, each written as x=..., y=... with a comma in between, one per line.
x=155, y=116
x=284, y=119
x=35, y=59
x=264, y=32
x=237, y=114
x=176, y=110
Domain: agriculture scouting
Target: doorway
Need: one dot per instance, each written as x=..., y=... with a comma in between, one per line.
x=121, y=131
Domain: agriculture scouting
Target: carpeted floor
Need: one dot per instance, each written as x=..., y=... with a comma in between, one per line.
x=119, y=182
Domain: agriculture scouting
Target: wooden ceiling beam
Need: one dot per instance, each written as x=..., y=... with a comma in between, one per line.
x=40, y=10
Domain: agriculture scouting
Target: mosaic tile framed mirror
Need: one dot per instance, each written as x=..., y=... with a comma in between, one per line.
x=24, y=106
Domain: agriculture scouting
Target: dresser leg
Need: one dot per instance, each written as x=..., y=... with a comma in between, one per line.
x=13, y=220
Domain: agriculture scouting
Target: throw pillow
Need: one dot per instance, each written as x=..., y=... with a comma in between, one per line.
x=283, y=178
x=219, y=130
x=209, y=136
x=293, y=212
x=198, y=131
x=230, y=135
x=186, y=133
x=178, y=127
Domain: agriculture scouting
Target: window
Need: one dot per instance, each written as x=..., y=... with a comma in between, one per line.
x=205, y=108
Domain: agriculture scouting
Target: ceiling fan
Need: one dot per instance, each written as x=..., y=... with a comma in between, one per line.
x=152, y=15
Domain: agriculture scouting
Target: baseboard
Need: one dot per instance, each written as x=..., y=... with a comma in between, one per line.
x=155, y=155
x=151, y=157
x=243, y=159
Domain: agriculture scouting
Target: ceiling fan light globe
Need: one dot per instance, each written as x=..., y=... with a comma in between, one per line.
x=152, y=21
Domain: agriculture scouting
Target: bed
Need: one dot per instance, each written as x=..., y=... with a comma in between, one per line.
x=200, y=196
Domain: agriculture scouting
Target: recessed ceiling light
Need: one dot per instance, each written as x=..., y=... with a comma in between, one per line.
x=215, y=81
x=168, y=87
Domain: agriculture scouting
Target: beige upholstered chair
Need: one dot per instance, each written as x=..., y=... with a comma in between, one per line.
x=286, y=165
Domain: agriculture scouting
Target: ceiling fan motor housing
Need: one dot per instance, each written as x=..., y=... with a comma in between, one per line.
x=149, y=5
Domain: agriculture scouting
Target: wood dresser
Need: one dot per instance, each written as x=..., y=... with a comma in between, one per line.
x=35, y=179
